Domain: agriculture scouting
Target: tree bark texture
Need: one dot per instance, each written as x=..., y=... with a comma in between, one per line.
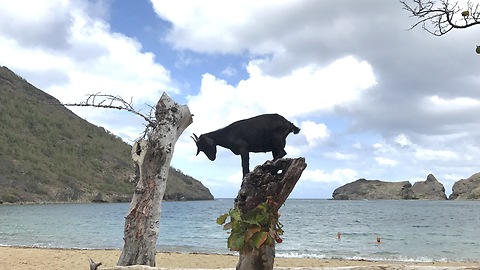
x=151, y=158
x=276, y=179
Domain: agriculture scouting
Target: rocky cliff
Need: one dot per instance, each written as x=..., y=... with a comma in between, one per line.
x=363, y=189
x=466, y=189
x=429, y=189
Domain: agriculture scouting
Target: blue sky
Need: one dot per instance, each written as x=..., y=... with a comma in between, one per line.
x=373, y=99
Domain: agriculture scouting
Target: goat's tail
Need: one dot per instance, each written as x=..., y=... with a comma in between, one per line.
x=295, y=129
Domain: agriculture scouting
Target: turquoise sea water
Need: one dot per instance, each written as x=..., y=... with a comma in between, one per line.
x=410, y=230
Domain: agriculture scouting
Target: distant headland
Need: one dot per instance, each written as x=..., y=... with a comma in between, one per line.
x=430, y=189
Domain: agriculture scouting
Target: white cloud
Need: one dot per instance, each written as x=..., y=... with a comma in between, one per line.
x=229, y=71
x=340, y=156
x=451, y=177
x=310, y=88
x=357, y=145
x=35, y=27
x=236, y=178
x=438, y=103
x=306, y=90
x=314, y=133
x=402, y=140
x=214, y=20
x=115, y=69
x=378, y=146
x=340, y=176
x=431, y=154
x=86, y=58
x=385, y=161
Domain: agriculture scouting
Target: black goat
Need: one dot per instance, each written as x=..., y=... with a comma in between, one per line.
x=263, y=133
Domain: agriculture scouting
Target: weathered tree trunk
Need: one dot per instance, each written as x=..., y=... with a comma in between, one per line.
x=152, y=161
x=276, y=179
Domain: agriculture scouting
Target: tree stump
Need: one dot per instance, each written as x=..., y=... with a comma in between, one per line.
x=152, y=162
x=276, y=179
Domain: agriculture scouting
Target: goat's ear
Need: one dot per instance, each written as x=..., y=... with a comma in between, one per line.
x=198, y=151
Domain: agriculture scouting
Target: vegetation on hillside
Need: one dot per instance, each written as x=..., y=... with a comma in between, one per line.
x=48, y=154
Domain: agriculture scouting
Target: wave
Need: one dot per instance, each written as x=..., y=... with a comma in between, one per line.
x=391, y=257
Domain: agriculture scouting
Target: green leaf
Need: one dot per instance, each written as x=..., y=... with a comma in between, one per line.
x=236, y=227
x=251, y=232
x=258, y=239
x=236, y=242
x=252, y=229
x=230, y=241
x=262, y=218
x=221, y=219
x=262, y=207
x=251, y=222
x=269, y=240
x=235, y=214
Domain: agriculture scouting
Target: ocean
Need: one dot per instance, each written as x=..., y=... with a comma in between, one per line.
x=415, y=231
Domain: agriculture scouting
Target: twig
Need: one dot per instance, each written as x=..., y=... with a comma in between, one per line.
x=93, y=265
x=99, y=100
x=439, y=19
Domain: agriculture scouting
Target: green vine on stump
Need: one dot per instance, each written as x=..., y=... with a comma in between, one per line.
x=254, y=228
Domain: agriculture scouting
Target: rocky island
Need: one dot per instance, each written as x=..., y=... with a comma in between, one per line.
x=363, y=189
x=466, y=189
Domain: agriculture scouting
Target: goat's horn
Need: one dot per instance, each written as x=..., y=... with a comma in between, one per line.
x=194, y=137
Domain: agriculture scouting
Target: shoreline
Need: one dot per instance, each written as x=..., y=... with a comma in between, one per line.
x=24, y=258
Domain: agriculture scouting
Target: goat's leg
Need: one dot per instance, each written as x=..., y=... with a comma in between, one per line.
x=245, y=163
x=277, y=154
x=278, y=147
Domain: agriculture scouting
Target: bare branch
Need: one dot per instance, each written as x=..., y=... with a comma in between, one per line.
x=439, y=18
x=99, y=100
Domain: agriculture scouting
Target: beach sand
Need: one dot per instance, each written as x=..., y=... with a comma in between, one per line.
x=18, y=258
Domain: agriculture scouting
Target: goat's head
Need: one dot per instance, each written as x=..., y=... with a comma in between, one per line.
x=206, y=145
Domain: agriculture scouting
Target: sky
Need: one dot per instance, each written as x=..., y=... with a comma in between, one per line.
x=373, y=99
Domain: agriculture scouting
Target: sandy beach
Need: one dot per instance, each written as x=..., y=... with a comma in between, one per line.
x=18, y=258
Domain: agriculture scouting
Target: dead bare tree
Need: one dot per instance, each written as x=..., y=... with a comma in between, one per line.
x=440, y=17
x=152, y=158
x=151, y=154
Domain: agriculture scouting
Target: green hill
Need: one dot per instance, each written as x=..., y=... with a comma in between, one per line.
x=49, y=154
